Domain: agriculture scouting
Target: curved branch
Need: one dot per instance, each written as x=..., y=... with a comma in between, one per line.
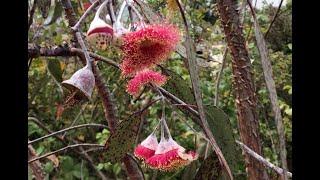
x=66, y=129
x=62, y=149
x=33, y=9
x=273, y=19
x=262, y=160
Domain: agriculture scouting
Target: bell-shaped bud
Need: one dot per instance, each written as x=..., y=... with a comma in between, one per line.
x=147, y=147
x=81, y=82
x=100, y=34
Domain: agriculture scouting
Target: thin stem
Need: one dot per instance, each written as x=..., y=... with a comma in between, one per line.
x=85, y=15
x=64, y=130
x=62, y=149
x=273, y=19
x=76, y=118
x=84, y=49
x=216, y=97
x=97, y=15
x=262, y=160
x=32, y=13
x=97, y=57
x=111, y=12
x=123, y=5
x=135, y=10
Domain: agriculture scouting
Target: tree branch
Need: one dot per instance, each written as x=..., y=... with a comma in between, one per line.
x=273, y=19
x=262, y=160
x=35, y=51
x=216, y=97
x=66, y=129
x=62, y=149
x=83, y=154
x=86, y=14
x=33, y=9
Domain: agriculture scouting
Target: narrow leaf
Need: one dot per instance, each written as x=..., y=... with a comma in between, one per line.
x=54, y=13
x=122, y=140
x=210, y=168
x=55, y=69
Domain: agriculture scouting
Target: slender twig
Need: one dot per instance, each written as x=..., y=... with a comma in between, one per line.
x=216, y=97
x=111, y=12
x=94, y=149
x=62, y=149
x=81, y=153
x=84, y=49
x=81, y=169
x=262, y=160
x=146, y=107
x=29, y=63
x=207, y=150
x=177, y=100
x=85, y=15
x=273, y=19
x=104, y=59
x=139, y=96
x=190, y=105
x=270, y=83
x=76, y=118
x=32, y=13
x=66, y=129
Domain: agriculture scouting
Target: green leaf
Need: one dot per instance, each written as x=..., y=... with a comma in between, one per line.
x=116, y=169
x=55, y=69
x=177, y=85
x=290, y=46
x=76, y=174
x=54, y=13
x=48, y=167
x=67, y=163
x=222, y=131
x=190, y=171
x=100, y=166
x=122, y=140
x=218, y=121
x=210, y=168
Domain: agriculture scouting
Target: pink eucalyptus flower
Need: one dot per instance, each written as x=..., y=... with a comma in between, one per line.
x=147, y=47
x=147, y=147
x=144, y=77
x=170, y=156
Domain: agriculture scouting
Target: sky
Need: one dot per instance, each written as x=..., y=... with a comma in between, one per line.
x=274, y=2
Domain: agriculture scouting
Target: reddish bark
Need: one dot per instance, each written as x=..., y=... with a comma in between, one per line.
x=243, y=85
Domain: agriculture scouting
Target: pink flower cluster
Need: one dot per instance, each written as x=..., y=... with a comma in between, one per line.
x=147, y=47
x=168, y=155
x=144, y=77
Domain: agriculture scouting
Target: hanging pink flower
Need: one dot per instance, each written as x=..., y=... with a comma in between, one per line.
x=147, y=147
x=147, y=47
x=100, y=34
x=144, y=77
x=170, y=156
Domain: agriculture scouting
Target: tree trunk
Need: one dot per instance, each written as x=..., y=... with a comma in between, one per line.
x=243, y=87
